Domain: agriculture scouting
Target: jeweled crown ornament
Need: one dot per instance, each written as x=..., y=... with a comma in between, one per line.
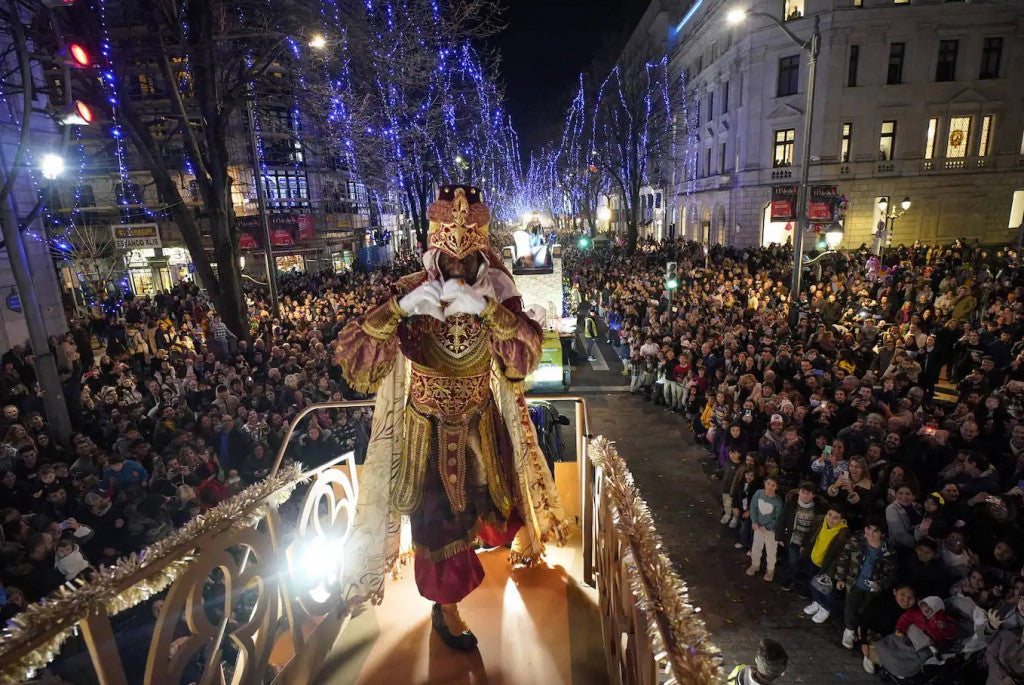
x=458, y=221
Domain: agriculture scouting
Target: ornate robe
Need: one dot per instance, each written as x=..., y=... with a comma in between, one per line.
x=449, y=433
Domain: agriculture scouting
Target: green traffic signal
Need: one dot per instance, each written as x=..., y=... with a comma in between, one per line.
x=583, y=242
x=672, y=284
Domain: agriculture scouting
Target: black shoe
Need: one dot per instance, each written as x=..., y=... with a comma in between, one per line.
x=462, y=642
x=786, y=585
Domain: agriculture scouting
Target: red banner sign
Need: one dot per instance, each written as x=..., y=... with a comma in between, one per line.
x=823, y=198
x=280, y=237
x=247, y=241
x=306, y=226
x=783, y=203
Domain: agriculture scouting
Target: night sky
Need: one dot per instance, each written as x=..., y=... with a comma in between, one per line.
x=545, y=47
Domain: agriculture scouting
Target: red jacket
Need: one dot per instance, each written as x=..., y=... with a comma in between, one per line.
x=940, y=628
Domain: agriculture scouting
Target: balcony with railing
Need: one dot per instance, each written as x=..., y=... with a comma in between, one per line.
x=247, y=593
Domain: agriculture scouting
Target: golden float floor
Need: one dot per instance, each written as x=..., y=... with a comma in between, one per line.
x=536, y=626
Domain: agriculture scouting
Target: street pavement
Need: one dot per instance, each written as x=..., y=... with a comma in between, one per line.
x=668, y=468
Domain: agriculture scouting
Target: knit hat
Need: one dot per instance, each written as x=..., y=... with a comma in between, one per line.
x=777, y=417
x=771, y=660
x=934, y=603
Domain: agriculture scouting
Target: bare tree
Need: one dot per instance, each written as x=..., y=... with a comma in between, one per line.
x=633, y=130
x=414, y=104
x=177, y=77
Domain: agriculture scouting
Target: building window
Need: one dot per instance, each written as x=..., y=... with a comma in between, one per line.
x=959, y=134
x=896, y=53
x=887, y=140
x=945, y=68
x=985, y=139
x=789, y=76
x=721, y=158
x=844, y=144
x=794, y=9
x=858, y=3
x=84, y=196
x=1022, y=144
x=711, y=104
x=851, y=71
x=127, y=193
x=991, y=56
x=784, y=147
x=929, y=142
x=725, y=97
x=901, y=2
x=707, y=162
x=286, y=190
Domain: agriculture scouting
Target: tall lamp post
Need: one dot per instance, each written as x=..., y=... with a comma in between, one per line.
x=888, y=223
x=812, y=46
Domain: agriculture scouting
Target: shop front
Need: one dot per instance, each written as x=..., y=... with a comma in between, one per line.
x=156, y=270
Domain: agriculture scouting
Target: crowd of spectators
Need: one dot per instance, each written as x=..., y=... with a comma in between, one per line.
x=871, y=456
x=172, y=414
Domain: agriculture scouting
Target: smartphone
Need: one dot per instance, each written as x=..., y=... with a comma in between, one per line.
x=827, y=450
x=930, y=430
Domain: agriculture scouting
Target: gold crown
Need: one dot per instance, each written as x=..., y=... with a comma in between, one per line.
x=458, y=221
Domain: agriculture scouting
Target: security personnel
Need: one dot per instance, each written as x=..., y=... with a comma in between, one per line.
x=769, y=665
x=590, y=334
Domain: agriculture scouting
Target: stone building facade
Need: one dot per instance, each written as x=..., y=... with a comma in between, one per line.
x=921, y=99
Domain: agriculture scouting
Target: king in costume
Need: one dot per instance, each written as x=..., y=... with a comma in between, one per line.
x=452, y=447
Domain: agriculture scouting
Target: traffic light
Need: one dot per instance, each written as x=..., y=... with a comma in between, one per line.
x=76, y=114
x=75, y=55
x=672, y=275
x=583, y=242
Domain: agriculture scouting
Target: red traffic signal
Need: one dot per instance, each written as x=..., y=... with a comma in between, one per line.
x=78, y=56
x=76, y=114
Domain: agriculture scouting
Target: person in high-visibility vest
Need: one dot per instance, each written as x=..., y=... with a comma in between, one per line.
x=769, y=665
x=590, y=335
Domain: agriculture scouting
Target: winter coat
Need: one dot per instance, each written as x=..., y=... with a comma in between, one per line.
x=852, y=557
x=789, y=515
x=835, y=548
x=940, y=627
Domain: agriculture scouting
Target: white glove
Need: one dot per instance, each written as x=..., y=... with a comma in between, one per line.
x=424, y=300
x=459, y=298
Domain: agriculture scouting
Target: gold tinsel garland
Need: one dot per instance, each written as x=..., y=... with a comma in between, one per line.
x=656, y=587
x=67, y=606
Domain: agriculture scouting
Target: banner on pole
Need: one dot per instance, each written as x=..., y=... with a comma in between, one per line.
x=783, y=206
x=822, y=201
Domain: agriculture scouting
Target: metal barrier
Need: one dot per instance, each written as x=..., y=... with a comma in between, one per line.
x=265, y=621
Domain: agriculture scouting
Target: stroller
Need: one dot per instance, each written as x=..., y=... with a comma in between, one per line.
x=963, y=662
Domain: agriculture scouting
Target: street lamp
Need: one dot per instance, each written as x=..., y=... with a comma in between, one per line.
x=51, y=166
x=888, y=223
x=604, y=214
x=812, y=47
x=833, y=236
